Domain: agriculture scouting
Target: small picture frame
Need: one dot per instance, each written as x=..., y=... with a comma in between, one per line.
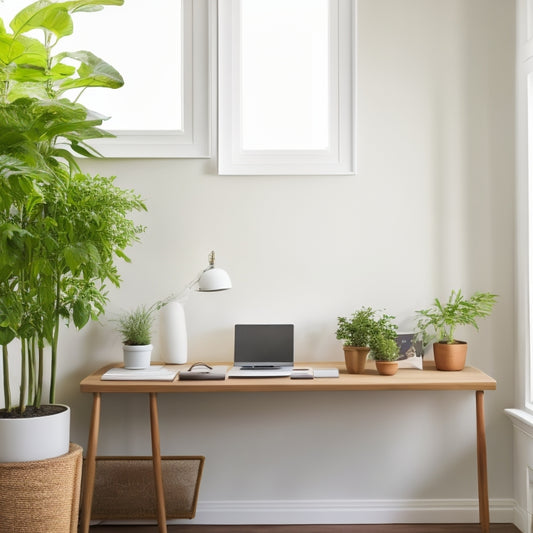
x=411, y=351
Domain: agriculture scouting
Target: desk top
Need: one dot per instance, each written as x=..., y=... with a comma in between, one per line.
x=405, y=379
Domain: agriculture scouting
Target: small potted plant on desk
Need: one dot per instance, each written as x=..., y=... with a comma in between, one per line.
x=136, y=330
x=439, y=322
x=385, y=352
x=356, y=332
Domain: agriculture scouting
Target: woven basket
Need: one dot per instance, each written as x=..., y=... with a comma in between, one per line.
x=41, y=496
x=124, y=487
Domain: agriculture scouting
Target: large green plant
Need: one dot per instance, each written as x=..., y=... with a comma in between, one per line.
x=440, y=321
x=60, y=230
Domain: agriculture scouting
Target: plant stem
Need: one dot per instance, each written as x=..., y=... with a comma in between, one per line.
x=23, y=376
x=53, y=356
x=39, y=389
x=7, y=390
x=31, y=371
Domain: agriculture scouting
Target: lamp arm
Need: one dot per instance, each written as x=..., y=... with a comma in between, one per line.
x=183, y=294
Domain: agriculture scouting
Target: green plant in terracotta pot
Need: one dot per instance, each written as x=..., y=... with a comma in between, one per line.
x=439, y=322
x=385, y=352
x=357, y=331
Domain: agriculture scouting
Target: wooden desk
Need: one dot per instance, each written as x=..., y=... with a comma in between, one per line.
x=430, y=379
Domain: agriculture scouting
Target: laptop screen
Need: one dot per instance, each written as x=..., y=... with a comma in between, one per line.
x=264, y=344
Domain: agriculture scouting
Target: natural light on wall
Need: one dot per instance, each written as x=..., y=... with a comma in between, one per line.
x=285, y=80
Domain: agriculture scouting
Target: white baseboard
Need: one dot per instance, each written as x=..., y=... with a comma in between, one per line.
x=522, y=519
x=502, y=510
x=349, y=512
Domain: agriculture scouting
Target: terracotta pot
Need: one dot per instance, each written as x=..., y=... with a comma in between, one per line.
x=355, y=358
x=450, y=356
x=387, y=368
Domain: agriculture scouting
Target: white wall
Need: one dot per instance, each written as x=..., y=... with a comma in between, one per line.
x=431, y=209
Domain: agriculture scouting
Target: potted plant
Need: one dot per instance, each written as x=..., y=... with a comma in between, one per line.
x=385, y=352
x=356, y=331
x=439, y=322
x=136, y=330
x=60, y=230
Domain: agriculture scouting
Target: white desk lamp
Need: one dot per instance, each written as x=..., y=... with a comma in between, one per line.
x=172, y=328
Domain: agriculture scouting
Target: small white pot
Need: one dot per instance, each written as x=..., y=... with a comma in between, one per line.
x=137, y=357
x=34, y=439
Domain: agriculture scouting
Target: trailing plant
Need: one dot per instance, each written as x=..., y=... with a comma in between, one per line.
x=61, y=230
x=439, y=321
x=363, y=325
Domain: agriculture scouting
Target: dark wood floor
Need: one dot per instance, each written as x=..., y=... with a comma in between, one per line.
x=363, y=528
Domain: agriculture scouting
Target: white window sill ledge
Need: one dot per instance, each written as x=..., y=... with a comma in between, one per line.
x=522, y=420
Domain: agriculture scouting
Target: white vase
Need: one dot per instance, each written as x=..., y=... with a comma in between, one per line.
x=137, y=357
x=173, y=334
x=36, y=438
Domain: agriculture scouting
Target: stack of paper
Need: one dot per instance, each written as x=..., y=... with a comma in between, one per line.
x=152, y=373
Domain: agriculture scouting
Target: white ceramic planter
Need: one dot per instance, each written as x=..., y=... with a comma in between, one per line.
x=34, y=439
x=137, y=357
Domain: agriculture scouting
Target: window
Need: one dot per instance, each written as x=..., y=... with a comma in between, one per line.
x=286, y=87
x=162, y=53
x=163, y=109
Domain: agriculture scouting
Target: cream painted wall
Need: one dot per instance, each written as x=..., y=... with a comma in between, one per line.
x=431, y=209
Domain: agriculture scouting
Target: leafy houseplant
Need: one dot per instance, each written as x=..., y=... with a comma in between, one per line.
x=60, y=230
x=357, y=332
x=439, y=322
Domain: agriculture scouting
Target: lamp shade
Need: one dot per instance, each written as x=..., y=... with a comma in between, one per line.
x=214, y=279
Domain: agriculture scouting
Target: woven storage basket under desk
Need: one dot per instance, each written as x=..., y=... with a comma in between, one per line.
x=124, y=487
x=41, y=496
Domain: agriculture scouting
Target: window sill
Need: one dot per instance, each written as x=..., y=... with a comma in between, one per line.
x=522, y=420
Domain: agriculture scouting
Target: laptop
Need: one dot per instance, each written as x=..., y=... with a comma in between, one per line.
x=263, y=350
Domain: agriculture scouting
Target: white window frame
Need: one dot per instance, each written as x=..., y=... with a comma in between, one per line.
x=524, y=206
x=339, y=157
x=194, y=138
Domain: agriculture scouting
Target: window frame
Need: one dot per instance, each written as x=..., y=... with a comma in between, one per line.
x=194, y=139
x=339, y=158
x=524, y=208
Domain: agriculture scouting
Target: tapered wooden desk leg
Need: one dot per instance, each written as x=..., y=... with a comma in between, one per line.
x=90, y=466
x=156, y=457
x=482, y=479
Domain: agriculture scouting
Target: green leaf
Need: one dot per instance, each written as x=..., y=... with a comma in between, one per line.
x=81, y=313
x=24, y=50
x=73, y=257
x=43, y=15
x=6, y=335
x=90, y=5
x=93, y=72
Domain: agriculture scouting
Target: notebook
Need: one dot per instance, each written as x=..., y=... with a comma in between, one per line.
x=263, y=350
